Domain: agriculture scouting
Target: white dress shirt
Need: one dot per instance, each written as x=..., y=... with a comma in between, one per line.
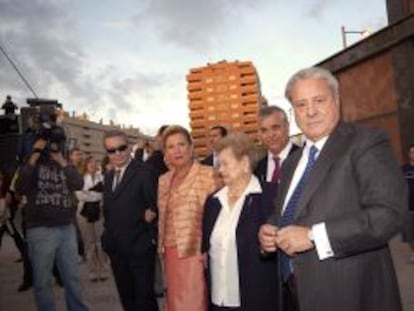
x=121, y=174
x=320, y=235
x=271, y=163
x=224, y=267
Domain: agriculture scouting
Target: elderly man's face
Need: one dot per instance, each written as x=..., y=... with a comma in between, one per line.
x=316, y=109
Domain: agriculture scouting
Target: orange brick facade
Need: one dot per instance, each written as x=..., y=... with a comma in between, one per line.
x=224, y=93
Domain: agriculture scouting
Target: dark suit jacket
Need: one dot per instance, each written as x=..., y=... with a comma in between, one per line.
x=156, y=160
x=125, y=229
x=356, y=189
x=257, y=275
x=209, y=160
x=261, y=168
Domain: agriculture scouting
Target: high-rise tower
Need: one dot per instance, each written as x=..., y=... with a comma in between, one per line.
x=224, y=93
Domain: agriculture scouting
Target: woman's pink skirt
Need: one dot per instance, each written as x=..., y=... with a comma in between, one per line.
x=186, y=286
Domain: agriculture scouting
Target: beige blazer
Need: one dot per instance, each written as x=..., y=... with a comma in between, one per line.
x=188, y=212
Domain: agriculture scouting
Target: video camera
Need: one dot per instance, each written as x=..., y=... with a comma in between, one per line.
x=52, y=133
x=40, y=120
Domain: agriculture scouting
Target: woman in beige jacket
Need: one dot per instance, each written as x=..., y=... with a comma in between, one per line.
x=181, y=196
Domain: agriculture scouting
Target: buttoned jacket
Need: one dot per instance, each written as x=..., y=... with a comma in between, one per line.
x=188, y=212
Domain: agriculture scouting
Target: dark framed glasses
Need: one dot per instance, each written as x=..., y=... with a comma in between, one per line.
x=121, y=148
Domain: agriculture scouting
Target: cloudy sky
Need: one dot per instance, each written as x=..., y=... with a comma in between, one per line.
x=126, y=60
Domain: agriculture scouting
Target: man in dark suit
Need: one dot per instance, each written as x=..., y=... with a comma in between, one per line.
x=156, y=158
x=130, y=200
x=274, y=134
x=339, y=203
x=216, y=132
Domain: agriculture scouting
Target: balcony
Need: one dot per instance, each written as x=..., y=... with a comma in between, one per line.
x=194, y=77
x=248, y=79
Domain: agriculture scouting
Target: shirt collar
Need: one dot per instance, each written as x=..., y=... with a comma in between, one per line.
x=252, y=187
x=318, y=144
x=282, y=154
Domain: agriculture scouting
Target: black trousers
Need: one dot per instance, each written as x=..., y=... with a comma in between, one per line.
x=290, y=295
x=134, y=279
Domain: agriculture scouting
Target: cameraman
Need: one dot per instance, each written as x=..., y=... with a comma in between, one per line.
x=47, y=181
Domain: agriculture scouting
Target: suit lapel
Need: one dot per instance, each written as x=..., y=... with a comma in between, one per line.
x=212, y=213
x=128, y=174
x=334, y=147
x=263, y=170
x=288, y=170
x=188, y=181
x=293, y=148
x=247, y=204
x=108, y=182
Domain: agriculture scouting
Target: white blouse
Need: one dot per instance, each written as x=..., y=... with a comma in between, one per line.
x=224, y=267
x=86, y=195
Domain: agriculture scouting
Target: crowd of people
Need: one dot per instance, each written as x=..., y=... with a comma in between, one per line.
x=290, y=231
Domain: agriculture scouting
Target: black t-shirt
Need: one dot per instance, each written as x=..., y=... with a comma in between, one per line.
x=48, y=188
x=408, y=171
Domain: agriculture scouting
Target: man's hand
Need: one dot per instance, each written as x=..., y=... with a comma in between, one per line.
x=37, y=148
x=293, y=240
x=267, y=238
x=149, y=215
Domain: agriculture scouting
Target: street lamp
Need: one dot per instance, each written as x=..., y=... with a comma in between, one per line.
x=364, y=33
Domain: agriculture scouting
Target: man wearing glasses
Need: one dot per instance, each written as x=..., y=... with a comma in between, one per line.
x=130, y=200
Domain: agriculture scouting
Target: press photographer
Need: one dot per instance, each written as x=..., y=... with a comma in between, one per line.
x=47, y=180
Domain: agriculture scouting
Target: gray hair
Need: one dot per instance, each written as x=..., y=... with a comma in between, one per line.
x=266, y=111
x=240, y=144
x=313, y=73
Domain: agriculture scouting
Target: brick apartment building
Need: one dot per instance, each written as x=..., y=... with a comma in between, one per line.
x=223, y=93
x=88, y=135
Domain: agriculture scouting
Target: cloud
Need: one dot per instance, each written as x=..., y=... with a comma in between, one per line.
x=140, y=93
x=317, y=8
x=41, y=39
x=192, y=24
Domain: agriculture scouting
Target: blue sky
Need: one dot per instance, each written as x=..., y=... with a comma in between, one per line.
x=127, y=60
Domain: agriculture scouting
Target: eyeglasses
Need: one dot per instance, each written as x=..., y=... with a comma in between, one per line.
x=121, y=148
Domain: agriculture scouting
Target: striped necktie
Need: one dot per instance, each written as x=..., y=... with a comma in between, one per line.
x=289, y=212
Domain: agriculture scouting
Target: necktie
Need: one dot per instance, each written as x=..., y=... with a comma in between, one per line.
x=117, y=179
x=276, y=171
x=290, y=209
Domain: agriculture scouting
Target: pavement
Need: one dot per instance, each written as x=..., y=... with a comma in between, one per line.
x=102, y=296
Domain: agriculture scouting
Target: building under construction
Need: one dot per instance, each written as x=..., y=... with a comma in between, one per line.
x=224, y=93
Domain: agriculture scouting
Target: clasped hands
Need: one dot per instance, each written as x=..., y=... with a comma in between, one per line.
x=291, y=239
